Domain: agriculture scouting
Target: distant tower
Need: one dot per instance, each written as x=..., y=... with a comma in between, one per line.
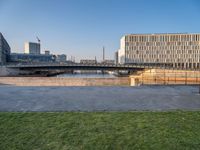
x=103, y=53
x=95, y=59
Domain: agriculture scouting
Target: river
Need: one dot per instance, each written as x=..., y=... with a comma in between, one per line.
x=86, y=75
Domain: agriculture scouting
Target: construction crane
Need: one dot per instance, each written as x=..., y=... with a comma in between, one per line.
x=38, y=39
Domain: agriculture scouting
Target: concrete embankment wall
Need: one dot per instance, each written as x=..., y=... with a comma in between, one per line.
x=53, y=81
x=8, y=72
x=164, y=76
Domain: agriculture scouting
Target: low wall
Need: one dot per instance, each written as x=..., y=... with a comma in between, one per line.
x=53, y=81
x=164, y=76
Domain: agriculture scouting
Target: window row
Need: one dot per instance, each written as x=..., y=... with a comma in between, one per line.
x=162, y=38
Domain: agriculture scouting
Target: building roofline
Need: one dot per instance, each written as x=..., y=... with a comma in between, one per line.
x=182, y=33
x=31, y=42
x=15, y=53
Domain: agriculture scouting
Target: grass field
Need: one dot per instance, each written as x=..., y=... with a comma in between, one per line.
x=109, y=130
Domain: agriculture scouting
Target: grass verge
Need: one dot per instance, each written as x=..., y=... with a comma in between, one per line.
x=109, y=130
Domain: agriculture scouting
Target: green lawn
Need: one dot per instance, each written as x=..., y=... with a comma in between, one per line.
x=114, y=130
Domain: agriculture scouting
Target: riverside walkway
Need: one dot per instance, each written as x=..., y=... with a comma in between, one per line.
x=143, y=98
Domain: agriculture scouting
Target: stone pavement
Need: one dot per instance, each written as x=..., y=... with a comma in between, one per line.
x=143, y=98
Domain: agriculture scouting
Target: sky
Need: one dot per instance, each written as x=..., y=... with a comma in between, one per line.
x=81, y=28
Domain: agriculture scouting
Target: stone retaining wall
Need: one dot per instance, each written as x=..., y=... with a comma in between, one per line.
x=8, y=72
x=164, y=76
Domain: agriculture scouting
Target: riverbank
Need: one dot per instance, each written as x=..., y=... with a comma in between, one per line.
x=54, y=81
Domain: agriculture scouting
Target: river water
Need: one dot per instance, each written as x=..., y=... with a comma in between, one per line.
x=86, y=75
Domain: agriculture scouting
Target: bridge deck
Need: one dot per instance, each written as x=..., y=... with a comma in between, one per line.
x=97, y=66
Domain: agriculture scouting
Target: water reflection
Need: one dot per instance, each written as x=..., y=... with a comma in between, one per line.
x=86, y=75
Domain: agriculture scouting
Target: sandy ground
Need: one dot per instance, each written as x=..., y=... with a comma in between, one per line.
x=151, y=98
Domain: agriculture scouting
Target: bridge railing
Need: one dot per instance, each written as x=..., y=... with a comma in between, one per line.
x=125, y=66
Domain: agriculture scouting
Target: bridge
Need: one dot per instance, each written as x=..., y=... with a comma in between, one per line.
x=98, y=66
x=48, y=69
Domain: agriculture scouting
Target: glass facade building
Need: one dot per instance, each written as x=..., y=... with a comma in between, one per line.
x=4, y=50
x=31, y=58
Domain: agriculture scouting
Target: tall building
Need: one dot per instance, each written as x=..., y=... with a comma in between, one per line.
x=32, y=48
x=180, y=50
x=4, y=50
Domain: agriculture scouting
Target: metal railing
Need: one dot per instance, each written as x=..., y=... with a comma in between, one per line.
x=125, y=66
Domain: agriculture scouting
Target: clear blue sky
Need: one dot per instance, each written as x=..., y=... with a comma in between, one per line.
x=81, y=27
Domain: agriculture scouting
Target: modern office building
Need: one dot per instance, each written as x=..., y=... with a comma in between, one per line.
x=61, y=58
x=46, y=52
x=180, y=50
x=108, y=61
x=32, y=48
x=30, y=58
x=88, y=61
x=4, y=50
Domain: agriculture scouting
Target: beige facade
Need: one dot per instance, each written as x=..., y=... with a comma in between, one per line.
x=180, y=50
x=32, y=48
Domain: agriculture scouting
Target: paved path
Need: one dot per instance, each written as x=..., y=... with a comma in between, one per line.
x=99, y=98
